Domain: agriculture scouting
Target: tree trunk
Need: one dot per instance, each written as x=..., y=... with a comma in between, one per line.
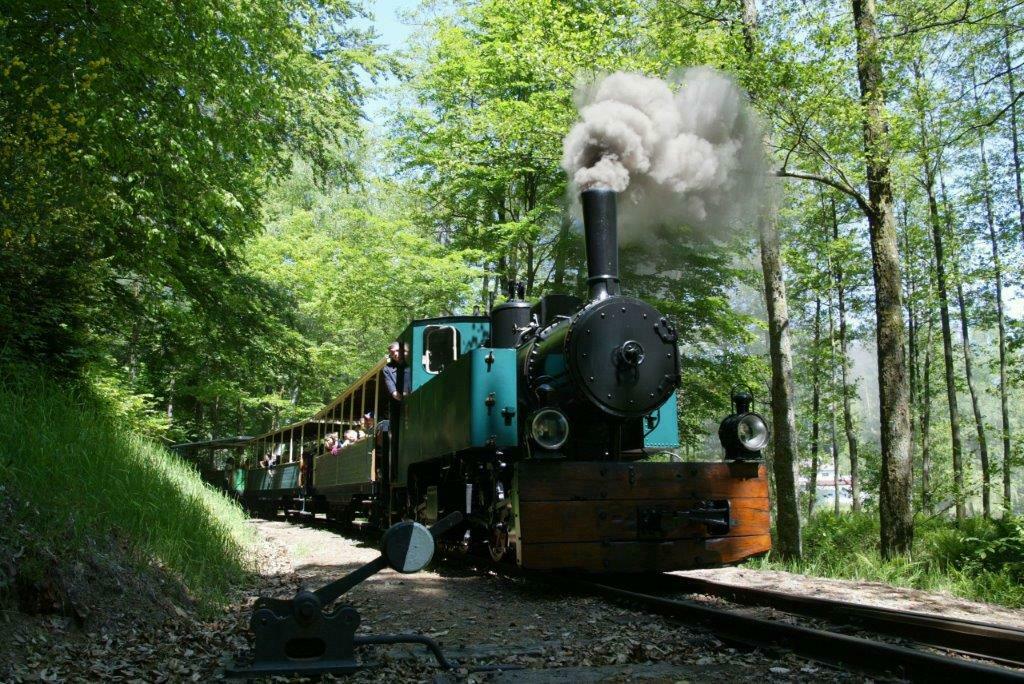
x=170, y=403
x=897, y=520
x=784, y=457
x=485, y=291
x=1013, y=125
x=928, y=168
x=502, y=280
x=947, y=347
x=926, y=415
x=848, y=426
x=832, y=404
x=531, y=269
x=835, y=456
x=812, y=481
x=913, y=355
x=921, y=415
x=979, y=422
x=986, y=484
x=1004, y=400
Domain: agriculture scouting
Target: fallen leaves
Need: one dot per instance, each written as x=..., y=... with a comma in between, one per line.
x=480, y=620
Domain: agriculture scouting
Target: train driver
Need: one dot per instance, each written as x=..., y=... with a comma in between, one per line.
x=393, y=372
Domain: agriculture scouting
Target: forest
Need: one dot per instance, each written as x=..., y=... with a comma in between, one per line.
x=204, y=228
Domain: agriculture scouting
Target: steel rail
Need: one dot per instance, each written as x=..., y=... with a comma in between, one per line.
x=978, y=639
x=816, y=644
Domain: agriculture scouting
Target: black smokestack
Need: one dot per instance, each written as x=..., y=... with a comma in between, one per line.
x=600, y=229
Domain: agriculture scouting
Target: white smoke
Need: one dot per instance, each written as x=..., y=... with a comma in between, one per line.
x=693, y=156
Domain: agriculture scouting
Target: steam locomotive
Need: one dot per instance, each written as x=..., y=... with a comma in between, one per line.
x=537, y=422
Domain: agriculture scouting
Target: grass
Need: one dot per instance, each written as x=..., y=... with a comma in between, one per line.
x=978, y=559
x=78, y=475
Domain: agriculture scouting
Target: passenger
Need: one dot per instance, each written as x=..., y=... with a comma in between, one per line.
x=331, y=443
x=351, y=437
x=306, y=472
x=382, y=444
x=393, y=372
x=406, y=384
x=366, y=425
x=396, y=384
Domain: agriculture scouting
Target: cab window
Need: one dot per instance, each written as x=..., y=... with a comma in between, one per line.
x=440, y=347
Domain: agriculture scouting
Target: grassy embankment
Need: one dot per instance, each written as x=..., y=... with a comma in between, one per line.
x=978, y=559
x=80, y=479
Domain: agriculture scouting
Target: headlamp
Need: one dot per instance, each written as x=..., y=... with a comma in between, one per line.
x=549, y=428
x=744, y=433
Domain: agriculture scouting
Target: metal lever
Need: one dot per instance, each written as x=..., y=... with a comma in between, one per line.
x=299, y=636
x=398, y=550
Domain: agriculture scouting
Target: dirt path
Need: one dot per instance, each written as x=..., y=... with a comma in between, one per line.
x=492, y=620
x=479, y=619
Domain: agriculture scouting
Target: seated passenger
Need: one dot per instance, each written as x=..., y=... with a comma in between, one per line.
x=366, y=425
x=331, y=443
x=351, y=437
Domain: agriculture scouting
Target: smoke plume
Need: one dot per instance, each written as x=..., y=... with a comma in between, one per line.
x=692, y=156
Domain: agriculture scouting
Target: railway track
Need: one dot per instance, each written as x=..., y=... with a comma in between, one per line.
x=998, y=643
x=834, y=648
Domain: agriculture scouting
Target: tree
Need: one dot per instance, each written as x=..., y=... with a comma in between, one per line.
x=929, y=166
x=812, y=480
x=130, y=176
x=897, y=526
x=838, y=275
x=875, y=159
x=785, y=451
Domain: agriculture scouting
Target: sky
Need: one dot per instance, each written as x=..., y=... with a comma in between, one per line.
x=394, y=33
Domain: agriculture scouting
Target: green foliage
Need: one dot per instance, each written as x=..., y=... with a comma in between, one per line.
x=979, y=545
x=135, y=141
x=80, y=475
x=977, y=559
x=354, y=269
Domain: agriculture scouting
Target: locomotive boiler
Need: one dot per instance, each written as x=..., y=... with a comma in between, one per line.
x=601, y=369
x=545, y=425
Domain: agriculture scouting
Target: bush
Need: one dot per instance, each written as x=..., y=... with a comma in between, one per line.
x=978, y=546
x=79, y=477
